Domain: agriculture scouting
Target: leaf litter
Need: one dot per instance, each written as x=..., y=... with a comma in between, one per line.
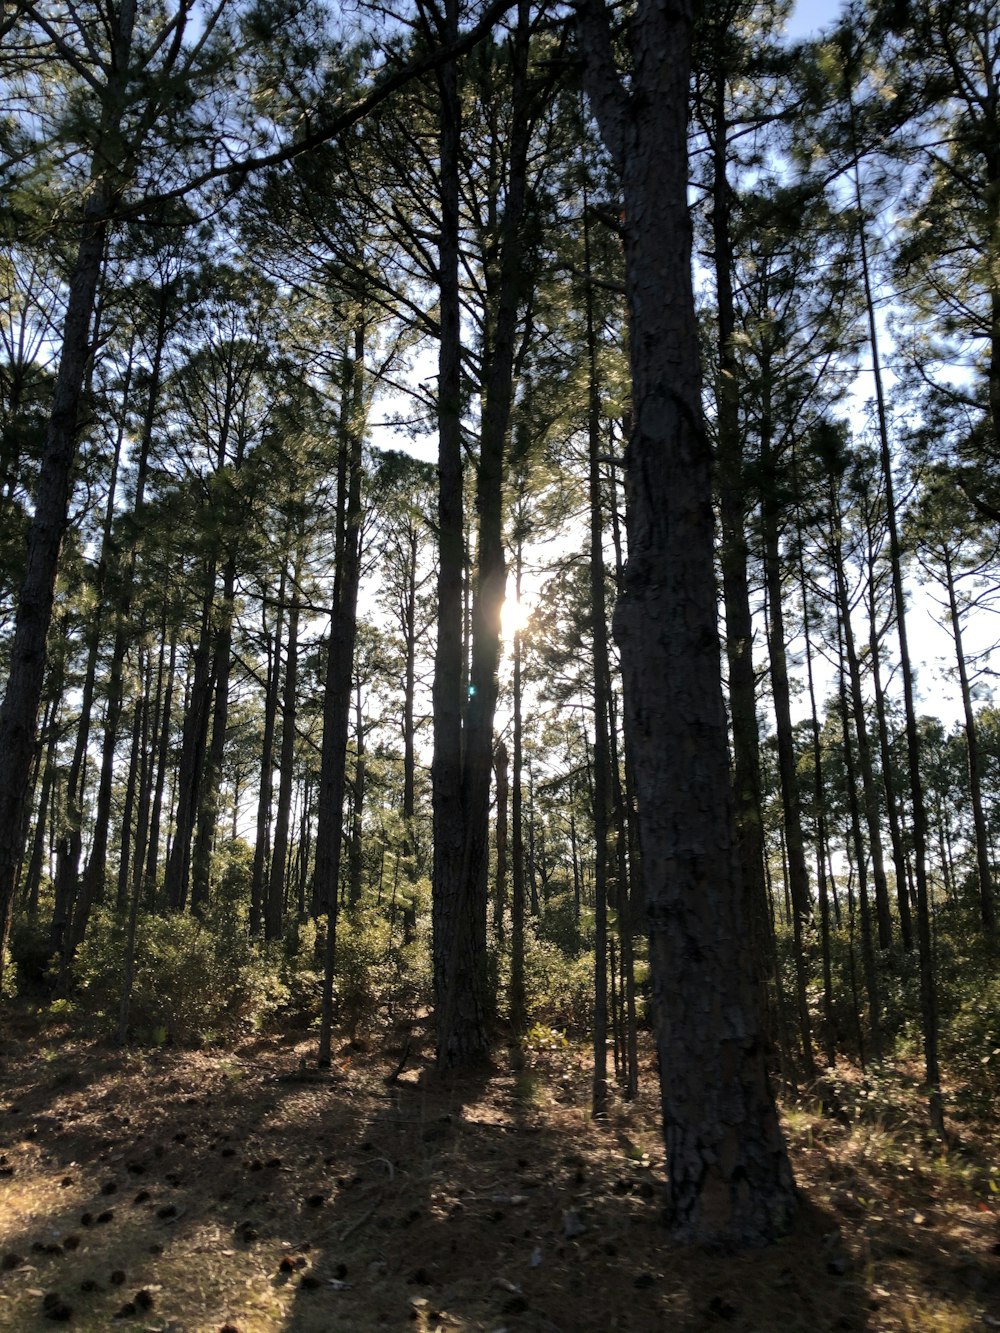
x=272, y=1201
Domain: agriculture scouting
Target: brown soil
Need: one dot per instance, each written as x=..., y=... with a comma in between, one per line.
x=246, y=1190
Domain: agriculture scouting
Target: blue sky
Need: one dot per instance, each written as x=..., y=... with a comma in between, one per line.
x=809, y=16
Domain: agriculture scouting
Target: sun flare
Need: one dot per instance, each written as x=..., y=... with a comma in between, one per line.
x=514, y=616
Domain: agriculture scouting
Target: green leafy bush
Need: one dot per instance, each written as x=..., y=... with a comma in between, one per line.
x=30, y=955
x=194, y=980
x=559, y=986
x=971, y=1042
x=301, y=976
x=375, y=972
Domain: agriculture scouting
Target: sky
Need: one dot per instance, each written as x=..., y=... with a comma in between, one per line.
x=809, y=16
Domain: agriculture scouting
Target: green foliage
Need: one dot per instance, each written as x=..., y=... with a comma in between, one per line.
x=560, y=986
x=301, y=978
x=542, y=1038
x=194, y=980
x=375, y=972
x=559, y=925
x=30, y=956
x=969, y=998
x=972, y=1046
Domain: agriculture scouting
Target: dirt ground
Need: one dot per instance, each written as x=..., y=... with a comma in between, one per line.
x=243, y=1189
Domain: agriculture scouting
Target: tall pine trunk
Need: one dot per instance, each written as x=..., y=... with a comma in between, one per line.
x=19, y=712
x=729, y=1177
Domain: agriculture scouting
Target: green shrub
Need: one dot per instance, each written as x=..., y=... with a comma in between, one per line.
x=375, y=972
x=971, y=1043
x=194, y=980
x=30, y=955
x=559, y=986
x=301, y=976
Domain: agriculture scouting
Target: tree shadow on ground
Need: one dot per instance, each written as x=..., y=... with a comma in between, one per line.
x=254, y=1191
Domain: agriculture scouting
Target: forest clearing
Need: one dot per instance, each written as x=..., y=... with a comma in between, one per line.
x=241, y=1188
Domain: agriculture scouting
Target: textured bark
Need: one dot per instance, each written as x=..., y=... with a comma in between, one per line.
x=275, y=899
x=869, y=789
x=339, y=672
x=462, y=769
x=729, y=1176
x=19, y=712
x=987, y=906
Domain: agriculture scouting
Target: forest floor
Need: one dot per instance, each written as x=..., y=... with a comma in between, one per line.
x=243, y=1189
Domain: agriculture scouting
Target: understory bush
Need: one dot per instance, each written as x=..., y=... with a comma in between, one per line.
x=559, y=987
x=195, y=979
x=376, y=974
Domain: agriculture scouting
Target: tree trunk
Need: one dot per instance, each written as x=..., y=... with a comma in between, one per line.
x=928, y=985
x=819, y=799
x=868, y=787
x=465, y=772
x=340, y=672
x=987, y=908
x=729, y=1176
x=409, y=628
x=19, y=712
x=162, y=745
x=355, y=860
x=132, y=780
x=275, y=900
x=867, y=942
x=603, y=853
x=518, y=1005
x=266, y=784
x=192, y=759
x=49, y=736
x=209, y=788
x=885, y=755
x=730, y=472
x=501, y=762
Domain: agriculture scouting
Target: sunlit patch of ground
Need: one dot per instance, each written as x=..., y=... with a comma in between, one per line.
x=242, y=1189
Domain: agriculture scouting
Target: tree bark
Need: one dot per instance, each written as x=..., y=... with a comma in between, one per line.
x=19, y=712
x=275, y=899
x=339, y=673
x=463, y=776
x=729, y=1176
x=987, y=906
